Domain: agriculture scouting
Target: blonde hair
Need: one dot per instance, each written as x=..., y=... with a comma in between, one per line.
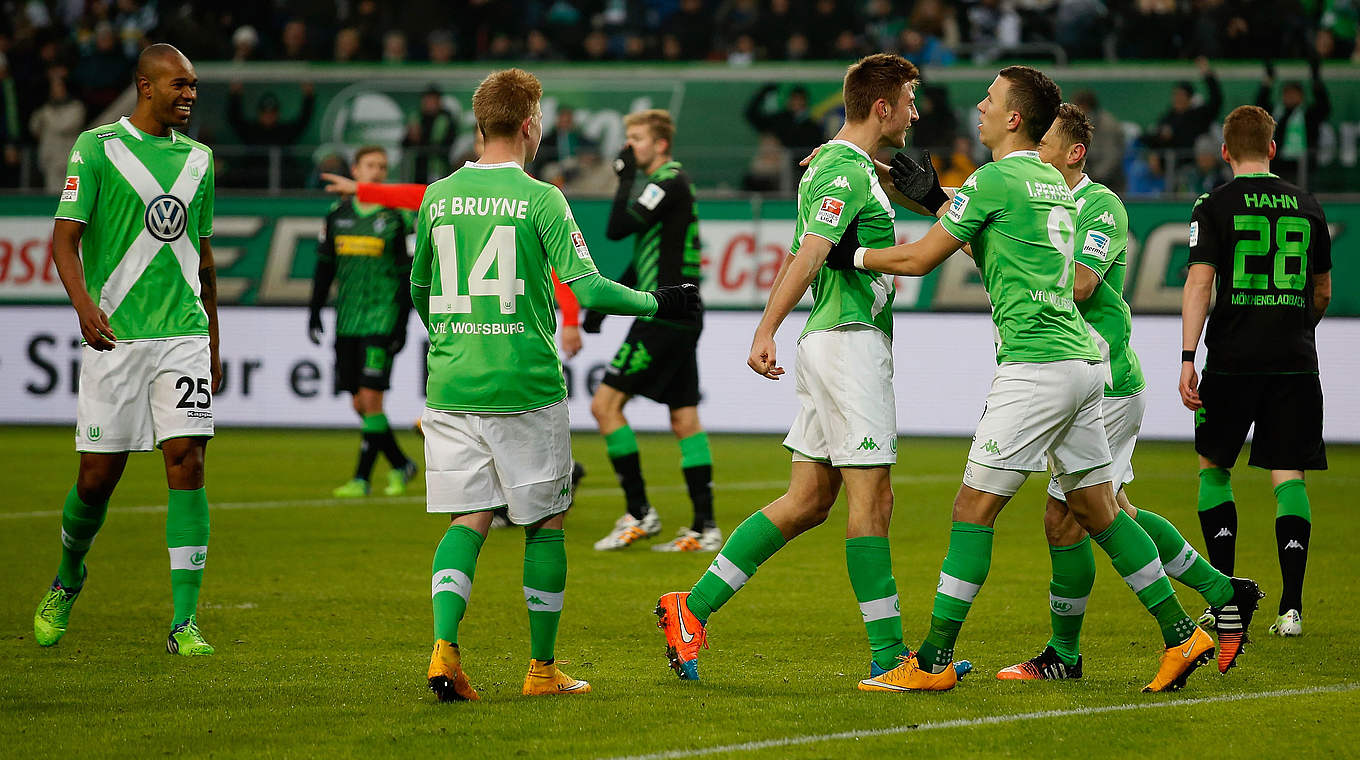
x=1247, y=133
x=657, y=120
x=504, y=100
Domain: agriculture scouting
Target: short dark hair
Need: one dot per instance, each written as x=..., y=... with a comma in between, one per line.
x=1073, y=126
x=1247, y=133
x=364, y=150
x=881, y=75
x=504, y=100
x=1035, y=96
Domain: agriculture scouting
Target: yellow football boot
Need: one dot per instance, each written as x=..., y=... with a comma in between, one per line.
x=1179, y=661
x=545, y=678
x=446, y=677
x=910, y=677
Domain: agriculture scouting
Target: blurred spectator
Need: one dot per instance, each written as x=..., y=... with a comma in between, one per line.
x=592, y=175
x=267, y=130
x=296, y=46
x=1186, y=120
x=56, y=124
x=882, y=24
x=825, y=26
x=331, y=163
x=394, y=46
x=441, y=46
x=743, y=52
x=537, y=47
x=11, y=133
x=938, y=125
x=347, y=45
x=1146, y=174
x=692, y=30
x=1208, y=170
x=776, y=26
x=768, y=171
x=596, y=46
x=792, y=124
x=1296, y=122
x=135, y=20
x=1080, y=28
x=244, y=41
x=1337, y=28
x=368, y=19
x=430, y=134
x=924, y=51
x=994, y=26
x=1152, y=29
x=1105, y=154
x=935, y=18
x=563, y=142
x=796, y=47
x=955, y=168
x=103, y=72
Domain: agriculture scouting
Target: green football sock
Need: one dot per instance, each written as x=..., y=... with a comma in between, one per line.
x=79, y=524
x=753, y=542
x=1182, y=562
x=186, y=535
x=622, y=448
x=1134, y=557
x=696, y=463
x=869, y=562
x=455, y=561
x=1074, y=573
x=545, y=580
x=965, y=570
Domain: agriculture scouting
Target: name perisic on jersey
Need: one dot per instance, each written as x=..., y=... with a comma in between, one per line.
x=469, y=206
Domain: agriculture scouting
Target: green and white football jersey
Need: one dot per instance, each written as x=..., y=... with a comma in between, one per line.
x=1020, y=218
x=487, y=238
x=839, y=195
x=145, y=202
x=1103, y=237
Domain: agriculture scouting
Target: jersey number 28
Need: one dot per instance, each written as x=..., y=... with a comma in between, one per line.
x=500, y=249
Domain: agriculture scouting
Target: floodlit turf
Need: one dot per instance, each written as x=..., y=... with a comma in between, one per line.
x=320, y=614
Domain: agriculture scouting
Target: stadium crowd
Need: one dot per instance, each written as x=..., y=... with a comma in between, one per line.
x=63, y=62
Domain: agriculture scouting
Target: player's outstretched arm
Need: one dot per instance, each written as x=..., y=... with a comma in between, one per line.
x=94, y=323
x=207, y=291
x=1199, y=286
x=793, y=280
x=913, y=259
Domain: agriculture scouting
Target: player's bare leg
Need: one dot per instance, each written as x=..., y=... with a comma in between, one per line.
x=87, y=504
x=186, y=536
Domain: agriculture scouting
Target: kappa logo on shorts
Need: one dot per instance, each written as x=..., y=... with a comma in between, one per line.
x=867, y=444
x=830, y=212
x=992, y=447
x=93, y=433
x=166, y=217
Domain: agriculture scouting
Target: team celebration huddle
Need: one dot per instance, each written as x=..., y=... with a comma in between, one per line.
x=486, y=255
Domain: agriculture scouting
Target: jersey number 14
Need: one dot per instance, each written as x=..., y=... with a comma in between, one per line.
x=500, y=249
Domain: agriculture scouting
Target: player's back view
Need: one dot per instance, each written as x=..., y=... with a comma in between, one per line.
x=495, y=421
x=1266, y=243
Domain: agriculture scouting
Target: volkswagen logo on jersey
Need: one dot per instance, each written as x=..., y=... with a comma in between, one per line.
x=165, y=218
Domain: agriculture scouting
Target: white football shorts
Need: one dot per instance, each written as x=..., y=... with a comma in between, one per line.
x=1123, y=419
x=848, y=413
x=143, y=393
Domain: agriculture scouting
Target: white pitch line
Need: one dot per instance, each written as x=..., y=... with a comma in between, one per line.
x=753, y=485
x=989, y=720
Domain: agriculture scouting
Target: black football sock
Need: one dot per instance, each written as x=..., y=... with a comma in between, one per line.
x=1218, y=518
x=621, y=445
x=1293, y=528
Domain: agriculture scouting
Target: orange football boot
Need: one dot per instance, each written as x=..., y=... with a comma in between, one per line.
x=545, y=678
x=446, y=677
x=1179, y=661
x=910, y=677
x=685, y=634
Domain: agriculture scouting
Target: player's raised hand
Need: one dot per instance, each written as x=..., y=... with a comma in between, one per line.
x=625, y=165
x=762, y=359
x=1189, y=387
x=94, y=327
x=677, y=302
x=338, y=184
x=918, y=182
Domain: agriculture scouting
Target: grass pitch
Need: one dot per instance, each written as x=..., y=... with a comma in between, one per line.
x=320, y=614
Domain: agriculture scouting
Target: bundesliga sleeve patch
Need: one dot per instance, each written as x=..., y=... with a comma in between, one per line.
x=957, y=206
x=651, y=196
x=1194, y=234
x=1097, y=244
x=578, y=241
x=71, y=190
x=830, y=212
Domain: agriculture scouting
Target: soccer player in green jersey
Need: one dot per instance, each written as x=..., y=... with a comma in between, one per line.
x=658, y=360
x=1043, y=410
x=363, y=248
x=1101, y=241
x=1261, y=368
x=846, y=428
x=495, y=422
x=130, y=243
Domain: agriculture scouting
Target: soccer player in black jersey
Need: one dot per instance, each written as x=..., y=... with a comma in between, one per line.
x=1267, y=244
x=657, y=359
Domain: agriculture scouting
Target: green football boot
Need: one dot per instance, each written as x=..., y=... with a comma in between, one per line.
x=49, y=622
x=355, y=489
x=185, y=639
x=397, y=479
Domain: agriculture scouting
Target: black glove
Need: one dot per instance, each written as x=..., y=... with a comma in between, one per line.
x=592, y=320
x=626, y=163
x=396, y=341
x=314, y=328
x=918, y=182
x=677, y=302
x=842, y=254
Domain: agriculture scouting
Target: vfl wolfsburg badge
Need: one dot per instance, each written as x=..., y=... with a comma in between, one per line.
x=93, y=433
